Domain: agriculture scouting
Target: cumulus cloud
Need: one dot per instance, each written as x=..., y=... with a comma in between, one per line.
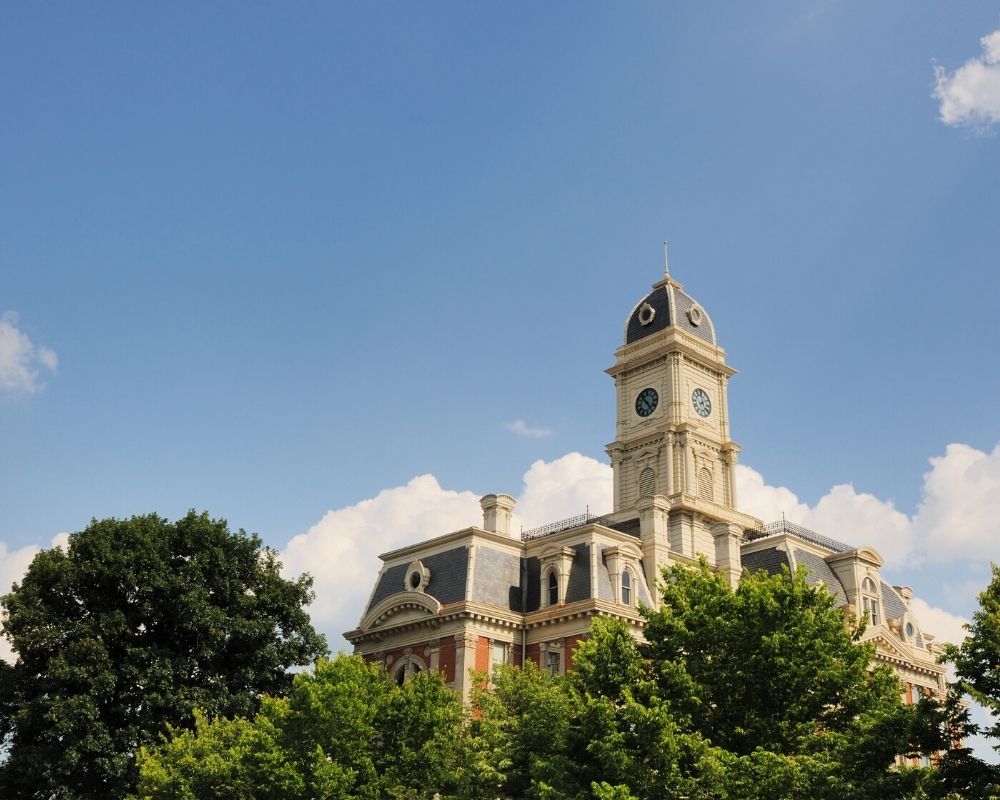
x=20, y=358
x=944, y=626
x=566, y=487
x=960, y=505
x=341, y=550
x=956, y=519
x=971, y=94
x=521, y=428
x=842, y=513
x=13, y=565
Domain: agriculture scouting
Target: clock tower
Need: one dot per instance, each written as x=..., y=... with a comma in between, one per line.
x=673, y=458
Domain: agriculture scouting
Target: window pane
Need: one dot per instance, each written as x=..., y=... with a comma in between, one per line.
x=552, y=662
x=498, y=653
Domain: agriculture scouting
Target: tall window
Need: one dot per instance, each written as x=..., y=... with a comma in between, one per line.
x=553, y=589
x=498, y=653
x=627, y=588
x=869, y=601
x=552, y=662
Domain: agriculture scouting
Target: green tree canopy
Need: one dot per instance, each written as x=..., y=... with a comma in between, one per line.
x=760, y=693
x=345, y=731
x=128, y=629
x=977, y=670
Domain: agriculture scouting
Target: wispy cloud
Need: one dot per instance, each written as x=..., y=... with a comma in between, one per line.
x=521, y=428
x=970, y=95
x=20, y=358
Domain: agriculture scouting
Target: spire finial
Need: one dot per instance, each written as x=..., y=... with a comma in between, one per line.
x=666, y=259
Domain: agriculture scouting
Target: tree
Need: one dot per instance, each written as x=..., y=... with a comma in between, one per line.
x=977, y=669
x=345, y=731
x=756, y=693
x=128, y=629
x=772, y=674
x=520, y=729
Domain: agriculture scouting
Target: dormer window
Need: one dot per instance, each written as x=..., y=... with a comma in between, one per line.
x=627, y=588
x=869, y=601
x=555, y=567
x=552, y=589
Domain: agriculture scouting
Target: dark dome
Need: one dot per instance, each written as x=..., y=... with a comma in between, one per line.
x=668, y=305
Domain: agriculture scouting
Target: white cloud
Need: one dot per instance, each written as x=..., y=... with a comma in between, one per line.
x=960, y=510
x=958, y=516
x=20, y=358
x=842, y=514
x=521, y=428
x=971, y=94
x=944, y=626
x=341, y=550
x=13, y=565
x=769, y=503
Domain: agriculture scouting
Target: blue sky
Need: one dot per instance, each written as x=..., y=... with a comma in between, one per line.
x=324, y=269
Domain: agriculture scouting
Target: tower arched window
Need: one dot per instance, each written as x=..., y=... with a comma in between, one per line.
x=869, y=601
x=627, y=588
x=552, y=589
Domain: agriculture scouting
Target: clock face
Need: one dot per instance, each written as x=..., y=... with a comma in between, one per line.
x=645, y=403
x=701, y=402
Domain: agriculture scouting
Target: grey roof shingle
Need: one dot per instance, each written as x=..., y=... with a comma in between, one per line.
x=895, y=607
x=771, y=559
x=820, y=572
x=447, y=583
x=497, y=579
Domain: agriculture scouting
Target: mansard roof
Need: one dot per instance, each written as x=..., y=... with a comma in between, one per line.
x=668, y=304
x=487, y=571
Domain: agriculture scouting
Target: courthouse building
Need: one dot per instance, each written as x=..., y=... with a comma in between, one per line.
x=485, y=595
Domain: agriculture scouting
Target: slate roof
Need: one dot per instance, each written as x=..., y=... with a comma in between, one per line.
x=449, y=571
x=498, y=578
x=670, y=304
x=818, y=571
x=772, y=559
x=895, y=607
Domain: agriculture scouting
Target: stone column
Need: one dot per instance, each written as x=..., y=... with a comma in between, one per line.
x=669, y=488
x=654, y=517
x=465, y=660
x=728, y=536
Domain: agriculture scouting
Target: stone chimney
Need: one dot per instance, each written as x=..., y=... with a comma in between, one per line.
x=497, y=509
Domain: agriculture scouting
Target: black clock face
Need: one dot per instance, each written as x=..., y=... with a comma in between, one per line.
x=645, y=403
x=702, y=403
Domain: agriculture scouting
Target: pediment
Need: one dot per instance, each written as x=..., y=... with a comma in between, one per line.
x=885, y=644
x=870, y=554
x=400, y=608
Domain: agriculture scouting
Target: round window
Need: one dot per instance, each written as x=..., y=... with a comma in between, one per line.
x=909, y=630
x=414, y=580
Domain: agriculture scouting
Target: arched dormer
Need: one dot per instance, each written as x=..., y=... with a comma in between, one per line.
x=404, y=607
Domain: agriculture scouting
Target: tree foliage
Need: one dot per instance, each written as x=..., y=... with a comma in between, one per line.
x=345, y=731
x=128, y=629
x=759, y=693
x=977, y=668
